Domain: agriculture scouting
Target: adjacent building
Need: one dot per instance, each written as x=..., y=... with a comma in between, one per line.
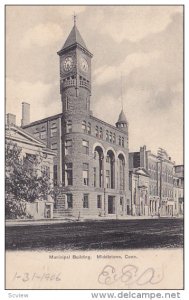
x=178, y=190
x=160, y=169
x=31, y=146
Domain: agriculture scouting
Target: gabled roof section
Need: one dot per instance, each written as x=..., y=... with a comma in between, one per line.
x=18, y=134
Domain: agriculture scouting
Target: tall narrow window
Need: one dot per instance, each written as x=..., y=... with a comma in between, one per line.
x=55, y=174
x=86, y=201
x=68, y=174
x=53, y=131
x=68, y=147
x=94, y=171
x=107, y=135
x=69, y=126
x=69, y=200
x=85, y=174
x=110, y=137
x=101, y=133
x=85, y=147
x=119, y=140
x=96, y=131
x=84, y=128
x=99, y=201
x=107, y=178
x=114, y=138
x=89, y=128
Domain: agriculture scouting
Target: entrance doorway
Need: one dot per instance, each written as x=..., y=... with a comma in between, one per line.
x=111, y=204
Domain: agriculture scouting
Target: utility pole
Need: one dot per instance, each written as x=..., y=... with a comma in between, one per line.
x=161, y=153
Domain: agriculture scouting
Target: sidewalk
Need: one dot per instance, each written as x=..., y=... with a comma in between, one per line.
x=27, y=222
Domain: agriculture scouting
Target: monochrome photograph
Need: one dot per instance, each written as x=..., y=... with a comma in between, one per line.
x=94, y=169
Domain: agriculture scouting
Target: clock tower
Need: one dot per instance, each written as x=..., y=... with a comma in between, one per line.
x=75, y=74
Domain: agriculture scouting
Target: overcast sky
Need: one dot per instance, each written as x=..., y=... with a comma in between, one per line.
x=145, y=44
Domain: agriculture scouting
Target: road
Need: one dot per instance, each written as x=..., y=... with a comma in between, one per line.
x=98, y=234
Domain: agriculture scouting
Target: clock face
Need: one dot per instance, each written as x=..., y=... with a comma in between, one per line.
x=84, y=64
x=68, y=63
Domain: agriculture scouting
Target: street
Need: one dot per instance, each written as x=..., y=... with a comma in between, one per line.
x=97, y=234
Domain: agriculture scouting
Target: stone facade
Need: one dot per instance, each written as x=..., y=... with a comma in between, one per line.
x=160, y=168
x=178, y=190
x=31, y=146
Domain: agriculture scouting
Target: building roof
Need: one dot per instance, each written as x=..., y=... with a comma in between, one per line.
x=20, y=135
x=122, y=117
x=74, y=39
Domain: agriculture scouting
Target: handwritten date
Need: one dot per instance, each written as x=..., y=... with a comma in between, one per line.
x=37, y=276
x=129, y=275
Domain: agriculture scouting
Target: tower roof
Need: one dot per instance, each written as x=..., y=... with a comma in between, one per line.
x=74, y=38
x=122, y=117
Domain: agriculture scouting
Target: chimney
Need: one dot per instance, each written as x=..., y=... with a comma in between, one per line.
x=25, y=114
x=143, y=156
x=10, y=119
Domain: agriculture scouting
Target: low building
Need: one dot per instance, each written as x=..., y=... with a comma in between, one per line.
x=31, y=146
x=139, y=187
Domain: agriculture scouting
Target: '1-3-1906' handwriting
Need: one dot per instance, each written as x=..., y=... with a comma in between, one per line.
x=37, y=276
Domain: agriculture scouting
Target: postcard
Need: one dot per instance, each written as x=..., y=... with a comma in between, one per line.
x=94, y=172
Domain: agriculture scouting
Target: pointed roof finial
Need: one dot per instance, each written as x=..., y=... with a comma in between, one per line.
x=121, y=91
x=74, y=17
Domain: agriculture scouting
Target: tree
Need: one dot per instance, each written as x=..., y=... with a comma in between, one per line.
x=26, y=180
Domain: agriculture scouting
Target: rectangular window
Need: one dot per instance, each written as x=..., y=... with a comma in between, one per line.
x=83, y=126
x=68, y=174
x=55, y=174
x=54, y=146
x=53, y=130
x=69, y=126
x=110, y=137
x=86, y=201
x=68, y=147
x=43, y=135
x=85, y=147
x=69, y=200
x=101, y=133
x=99, y=201
x=107, y=135
x=114, y=138
x=121, y=201
x=107, y=178
x=96, y=131
x=119, y=140
x=89, y=128
x=85, y=174
x=94, y=170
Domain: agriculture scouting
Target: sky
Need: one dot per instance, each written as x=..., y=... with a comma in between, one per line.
x=143, y=43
